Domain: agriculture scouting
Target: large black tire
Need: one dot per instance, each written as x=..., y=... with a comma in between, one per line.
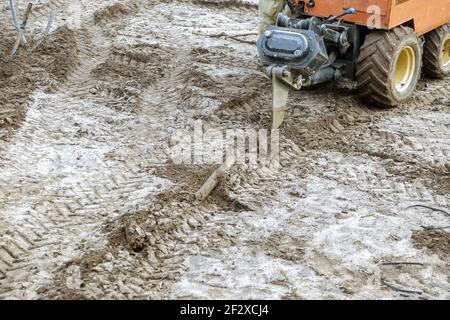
x=436, y=42
x=381, y=57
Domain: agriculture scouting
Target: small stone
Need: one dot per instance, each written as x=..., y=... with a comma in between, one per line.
x=338, y=125
x=193, y=223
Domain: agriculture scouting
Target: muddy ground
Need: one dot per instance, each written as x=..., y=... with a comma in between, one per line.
x=93, y=205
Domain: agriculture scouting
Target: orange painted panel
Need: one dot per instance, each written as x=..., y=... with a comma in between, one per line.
x=427, y=15
x=387, y=14
x=326, y=8
x=364, y=5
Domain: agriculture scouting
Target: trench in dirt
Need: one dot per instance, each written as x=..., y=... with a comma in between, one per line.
x=93, y=207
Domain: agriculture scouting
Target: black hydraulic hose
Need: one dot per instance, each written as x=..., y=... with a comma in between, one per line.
x=433, y=209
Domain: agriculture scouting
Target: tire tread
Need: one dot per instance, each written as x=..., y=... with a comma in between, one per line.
x=374, y=64
x=431, y=54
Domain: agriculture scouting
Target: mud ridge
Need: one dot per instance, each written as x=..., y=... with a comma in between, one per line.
x=45, y=69
x=114, y=11
x=436, y=241
x=127, y=72
x=155, y=239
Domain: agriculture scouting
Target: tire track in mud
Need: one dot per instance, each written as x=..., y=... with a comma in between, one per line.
x=391, y=135
x=252, y=185
x=109, y=187
x=163, y=260
x=38, y=19
x=42, y=11
x=84, y=203
x=87, y=202
x=22, y=75
x=348, y=117
x=356, y=114
x=159, y=103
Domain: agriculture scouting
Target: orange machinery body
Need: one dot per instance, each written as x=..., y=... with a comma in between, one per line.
x=423, y=15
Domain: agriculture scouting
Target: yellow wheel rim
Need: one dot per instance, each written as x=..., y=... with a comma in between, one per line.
x=446, y=53
x=405, y=68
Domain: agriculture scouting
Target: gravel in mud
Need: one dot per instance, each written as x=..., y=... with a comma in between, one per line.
x=94, y=206
x=437, y=241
